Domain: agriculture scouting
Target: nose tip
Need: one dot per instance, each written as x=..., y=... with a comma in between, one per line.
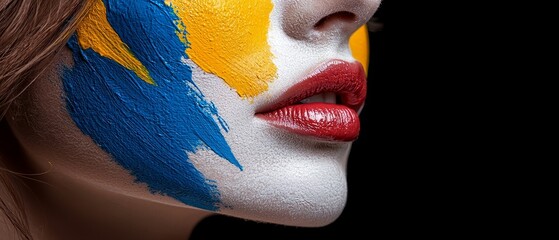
x=319, y=20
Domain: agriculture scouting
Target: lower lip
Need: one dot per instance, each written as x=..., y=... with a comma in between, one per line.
x=324, y=121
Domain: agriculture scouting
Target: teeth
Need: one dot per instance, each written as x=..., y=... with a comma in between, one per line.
x=323, y=97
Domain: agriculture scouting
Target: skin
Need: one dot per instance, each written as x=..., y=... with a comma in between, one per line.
x=102, y=179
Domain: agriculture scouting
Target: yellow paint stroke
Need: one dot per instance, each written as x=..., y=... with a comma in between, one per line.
x=359, y=44
x=96, y=32
x=228, y=38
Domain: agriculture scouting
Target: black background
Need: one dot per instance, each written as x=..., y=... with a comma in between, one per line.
x=369, y=211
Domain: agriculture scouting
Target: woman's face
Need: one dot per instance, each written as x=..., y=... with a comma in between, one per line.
x=247, y=108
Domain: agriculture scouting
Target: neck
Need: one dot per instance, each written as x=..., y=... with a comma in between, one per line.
x=110, y=216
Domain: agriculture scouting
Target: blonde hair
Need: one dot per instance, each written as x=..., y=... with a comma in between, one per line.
x=31, y=33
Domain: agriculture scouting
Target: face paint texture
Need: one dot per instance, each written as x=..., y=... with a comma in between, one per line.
x=227, y=38
x=359, y=44
x=148, y=129
x=95, y=32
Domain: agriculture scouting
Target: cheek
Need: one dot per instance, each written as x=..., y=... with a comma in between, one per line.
x=70, y=159
x=55, y=145
x=142, y=106
x=230, y=40
x=359, y=44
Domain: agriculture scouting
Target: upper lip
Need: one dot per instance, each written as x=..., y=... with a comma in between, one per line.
x=346, y=80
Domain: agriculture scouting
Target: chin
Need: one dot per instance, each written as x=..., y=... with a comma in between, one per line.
x=285, y=180
x=293, y=199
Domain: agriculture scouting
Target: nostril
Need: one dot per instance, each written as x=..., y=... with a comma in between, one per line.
x=337, y=17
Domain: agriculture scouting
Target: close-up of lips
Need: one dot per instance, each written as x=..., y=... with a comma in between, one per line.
x=324, y=105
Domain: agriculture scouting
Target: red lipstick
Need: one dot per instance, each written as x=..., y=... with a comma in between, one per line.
x=334, y=119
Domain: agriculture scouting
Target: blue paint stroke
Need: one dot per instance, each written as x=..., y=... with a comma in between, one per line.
x=148, y=129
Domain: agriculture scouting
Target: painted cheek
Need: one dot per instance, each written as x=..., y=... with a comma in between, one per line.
x=228, y=38
x=359, y=44
x=131, y=91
